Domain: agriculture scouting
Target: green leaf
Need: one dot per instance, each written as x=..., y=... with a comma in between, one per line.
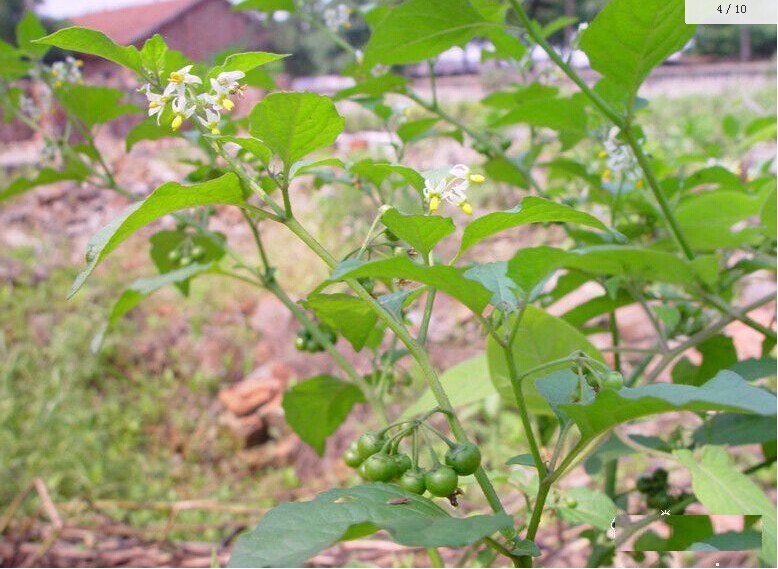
x=734, y=429
x=142, y=288
x=317, y=406
x=167, y=198
x=29, y=29
x=12, y=63
x=562, y=387
x=93, y=105
x=526, y=547
x=556, y=113
x=266, y=5
x=595, y=307
x=159, y=60
x=445, y=278
x=592, y=507
x=378, y=172
x=97, y=43
x=422, y=232
x=349, y=315
x=723, y=489
x=293, y=532
x=541, y=338
x=684, y=531
x=628, y=38
x=493, y=277
x=251, y=145
x=293, y=125
x=245, y=62
x=416, y=130
x=465, y=383
x=163, y=242
x=707, y=219
x=375, y=86
x=421, y=29
x=74, y=170
x=524, y=459
x=531, y=265
x=755, y=368
x=530, y=210
x=717, y=353
x=767, y=215
x=725, y=392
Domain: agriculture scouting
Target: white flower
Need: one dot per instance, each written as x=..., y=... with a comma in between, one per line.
x=211, y=121
x=182, y=111
x=451, y=187
x=337, y=17
x=183, y=77
x=227, y=81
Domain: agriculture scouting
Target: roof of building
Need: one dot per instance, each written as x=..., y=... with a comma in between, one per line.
x=134, y=23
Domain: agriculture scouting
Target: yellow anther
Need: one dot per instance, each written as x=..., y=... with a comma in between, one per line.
x=175, y=77
x=606, y=175
x=467, y=208
x=177, y=121
x=153, y=104
x=639, y=184
x=58, y=83
x=434, y=203
x=79, y=63
x=215, y=130
x=227, y=104
x=477, y=178
x=602, y=154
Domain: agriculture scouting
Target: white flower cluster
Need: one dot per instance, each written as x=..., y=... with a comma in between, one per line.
x=68, y=71
x=185, y=100
x=619, y=160
x=451, y=187
x=337, y=17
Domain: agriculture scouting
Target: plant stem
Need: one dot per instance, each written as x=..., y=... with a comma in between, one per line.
x=414, y=348
x=435, y=559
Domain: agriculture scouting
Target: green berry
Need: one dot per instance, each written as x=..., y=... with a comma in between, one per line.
x=402, y=463
x=413, y=482
x=613, y=380
x=442, y=481
x=174, y=256
x=369, y=444
x=380, y=468
x=352, y=458
x=464, y=458
x=198, y=252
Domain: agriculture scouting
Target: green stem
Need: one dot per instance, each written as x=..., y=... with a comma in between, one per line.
x=435, y=559
x=414, y=348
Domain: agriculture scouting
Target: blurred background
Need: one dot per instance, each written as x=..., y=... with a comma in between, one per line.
x=161, y=447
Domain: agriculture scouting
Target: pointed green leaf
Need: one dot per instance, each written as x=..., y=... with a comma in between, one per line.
x=293, y=532
x=293, y=125
x=94, y=105
x=421, y=29
x=628, y=38
x=707, y=219
x=317, y=406
x=530, y=210
x=442, y=277
x=167, y=198
x=351, y=316
x=494, y=278
x=422, y=232
x=266, y=5
x=374, y=86
x=592, y=507
x=725, y=392
x=560, y=113
x=97, y=43
x=29, y=29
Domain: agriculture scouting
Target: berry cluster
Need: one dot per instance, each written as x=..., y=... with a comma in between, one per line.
x=654, y=487
x=186, y=254
x=377, y=458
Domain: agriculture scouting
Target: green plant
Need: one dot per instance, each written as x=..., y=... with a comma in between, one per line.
x=673, y=235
